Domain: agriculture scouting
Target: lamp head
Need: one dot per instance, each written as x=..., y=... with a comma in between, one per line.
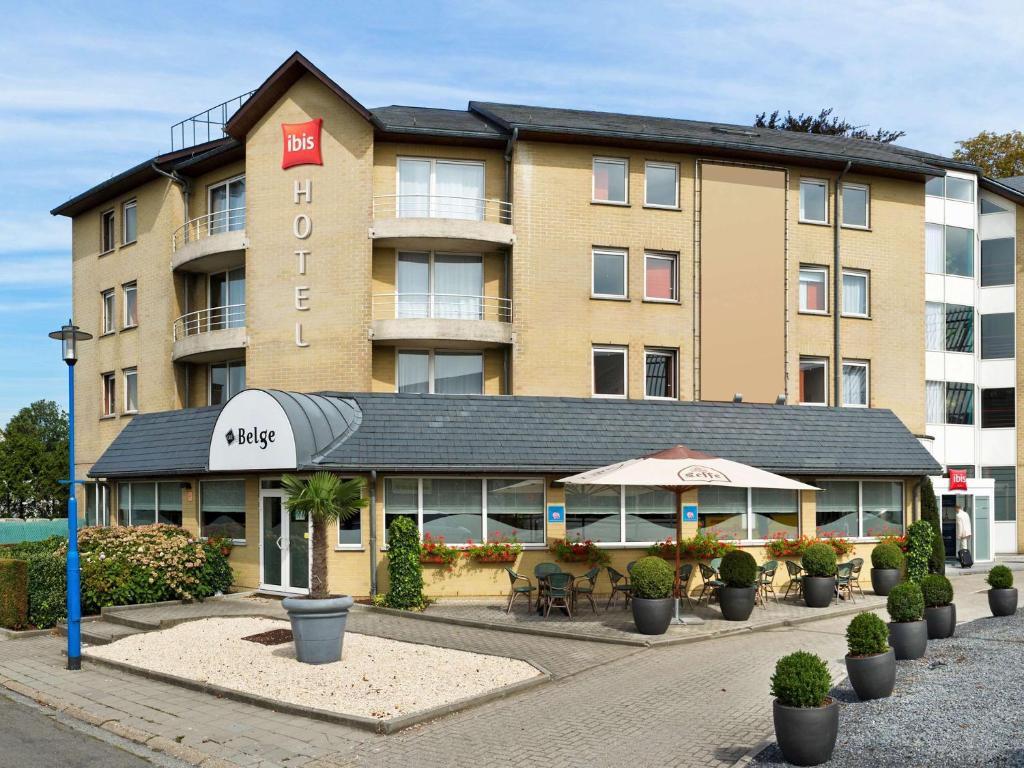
x=69, y=335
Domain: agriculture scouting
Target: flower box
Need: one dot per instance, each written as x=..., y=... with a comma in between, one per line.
x=502, y=558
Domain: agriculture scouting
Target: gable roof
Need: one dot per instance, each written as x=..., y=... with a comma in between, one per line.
x=427, y=121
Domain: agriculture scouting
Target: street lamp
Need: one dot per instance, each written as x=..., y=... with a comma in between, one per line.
x=69, y=335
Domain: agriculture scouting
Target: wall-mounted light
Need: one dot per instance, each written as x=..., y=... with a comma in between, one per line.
x=738, y=397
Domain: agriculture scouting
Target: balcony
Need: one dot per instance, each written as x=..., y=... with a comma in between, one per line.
x=455, y=319
x=209, y=243
x=441, y=222
x=209, y=335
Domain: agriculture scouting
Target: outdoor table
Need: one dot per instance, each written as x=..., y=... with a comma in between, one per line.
x=542, y=584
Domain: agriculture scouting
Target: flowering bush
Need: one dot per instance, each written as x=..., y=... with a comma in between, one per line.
x=898, y=541
x=780, y=545
x=497, y=550
x=577, y=551
x=435, y=551
x=705, y=545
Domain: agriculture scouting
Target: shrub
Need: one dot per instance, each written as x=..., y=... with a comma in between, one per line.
x=867, y=635
x=405, y=571
x=819, y=560
x=801, y=679
x=1000, y=577
x=47, y=573
x=13, y=594
x=919, y=549
x=887, y=555
x=905, y=602
x=937, y=590
x=738, y=569
x=930, y=512
x=652, y=578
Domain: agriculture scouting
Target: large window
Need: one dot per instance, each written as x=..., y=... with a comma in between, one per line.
x=1006, y=492
x=108, y=382
x=881, y=508
x=613, y=514
x=748, y=513
x=109, y=312
x=226, y=380
x=661, y=185
x=934, y=253
x=149, y=503
x=660, y=281
x=855, y=383
x=609, y=281
x=856, y=206
x=106, y=231
x=226, y=299
x=855, y=293
x=130, y=228
x=959, y=328
x=959, y=189
x=935, y=402
x=442, y=285
x=814, y=201
x=934, y=326
x=997, y=261
x=227, y=206
x=935, y=186
x=857, y=509
x=131, y=390
x=814, y=290
x=997, y=408
x=959, y=403
x=450, y=372
x=447, y=189
x=660, y=373
x=837, y=505
x=959, y=251
x=97, y=504
x=813, y=381
x=609, y=371
x=611, y=180
x=222, y=508
x=130, y=293
x=997, y=336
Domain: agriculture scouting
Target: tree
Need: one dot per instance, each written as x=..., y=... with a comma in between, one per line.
x=997, y=154
x=930, y=512
x=33, y=461
x=824, y=123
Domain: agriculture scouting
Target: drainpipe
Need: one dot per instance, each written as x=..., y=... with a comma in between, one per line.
x=837, y=282
x=508, y=254
x=181, y=181
x=508, y=170
x=373, y=532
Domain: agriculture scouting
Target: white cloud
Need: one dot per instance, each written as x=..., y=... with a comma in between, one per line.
x=35, y=270
x=37, y=231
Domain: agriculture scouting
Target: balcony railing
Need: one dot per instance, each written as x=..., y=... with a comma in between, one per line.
x=229, y=220
x=207, y=125
x=441, y=207
x=209, y=319
x=441, y=306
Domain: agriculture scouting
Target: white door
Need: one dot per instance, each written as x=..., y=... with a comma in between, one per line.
x=284, y=545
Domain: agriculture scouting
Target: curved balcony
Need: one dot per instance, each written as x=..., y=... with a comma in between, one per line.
x=455, y=319
x=441, y=222
x=209, y=335
x=209, y=243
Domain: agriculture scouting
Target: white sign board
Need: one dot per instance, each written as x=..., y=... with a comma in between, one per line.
x=252, y=432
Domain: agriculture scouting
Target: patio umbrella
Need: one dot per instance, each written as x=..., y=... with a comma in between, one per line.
x=681, y=469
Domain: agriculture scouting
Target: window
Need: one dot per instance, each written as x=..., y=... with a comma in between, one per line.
x=452, y=509
x=934, y=402
x=149, y=503
x=226, y=381
x=855, y=293
x=1006, y=492
x=935, y=186
x=934, y=326
x=446, y=189
x=609, y=371
x=814, y=201
x=131, y=308
x=997, y=336
x=723, y=512
x=350, y=532
x=109, y=394
x=609, y=280
x=613, y=514
x=881, y=508
x=130, y=230
x=106, y=231
x=837, y=508
x=814, y=290
x=997, y=408
x=959, y=251
x=227, y=206
x=611, y=184
x=934, y=255
x=856, y=199
x=959, y=403
x=131, y=390
x=855, y=383
x=222, y=508
x=959, y=189
x=813, y=381
x=661, y=185
x=97, y=504
x=660, y=282
x=991, y=206
x=997, y=261
x=959, y=328
x=747, y=513
x=660, y=373
x=441, y=285
x=109, y=324
x=440, y=372
x=226, y=299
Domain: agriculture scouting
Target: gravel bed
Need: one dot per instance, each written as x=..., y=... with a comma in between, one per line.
x=376, y=677
x=961, y=705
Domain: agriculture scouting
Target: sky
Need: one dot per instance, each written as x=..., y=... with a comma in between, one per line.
x=88, y=90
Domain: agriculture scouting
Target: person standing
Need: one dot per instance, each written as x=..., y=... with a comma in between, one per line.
x=963, y=529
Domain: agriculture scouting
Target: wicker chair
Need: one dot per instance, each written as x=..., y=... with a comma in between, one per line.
x=559, y=593
x=620, y=586
x=584, y=586
x=795, y=571
x=519, y=585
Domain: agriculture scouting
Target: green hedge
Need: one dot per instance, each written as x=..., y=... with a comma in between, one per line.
x=887, y=556
x=405, y=571
x=13, y=594
x=937, y=590
x=47, y=573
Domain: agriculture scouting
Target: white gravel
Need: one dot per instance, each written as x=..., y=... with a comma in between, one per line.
x=376, y=677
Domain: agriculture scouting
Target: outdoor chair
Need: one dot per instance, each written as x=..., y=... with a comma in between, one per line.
x=541, y=571
x=584, y=585
x=711, y=582
x=620, y=586
x=519, y=585
x=844, y=578
x=629, y=566
x=715, y=563
x=766, y=582
x=684, y=575
x=559, y=593
x=858, y=565
x=795, y=571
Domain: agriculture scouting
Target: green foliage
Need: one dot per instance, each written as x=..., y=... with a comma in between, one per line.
x=819, y=560
x=937, y=590
x=998, y=154
x=738, y=569
x=405, y=571
x=906, y=602
x=919, y=549
x=930, y=512
x=801, y=679
x=652, y=578
x=824, y=123
x=867, y=635
x=47, y=574
x=13, y=593
x=887, y=555
x=33, y=460
x=1000, y=577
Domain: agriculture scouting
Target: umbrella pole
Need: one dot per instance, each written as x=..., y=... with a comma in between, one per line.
x=678, y=619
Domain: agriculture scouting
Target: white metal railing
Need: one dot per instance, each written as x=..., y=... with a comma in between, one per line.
x=441, y=207
x=209, y=319
x=229, y=220
x=445, y=306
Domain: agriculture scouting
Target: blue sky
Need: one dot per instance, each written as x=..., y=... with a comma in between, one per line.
x=90, y=89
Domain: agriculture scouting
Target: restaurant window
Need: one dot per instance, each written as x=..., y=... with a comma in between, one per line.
x=934, y=249
x=226, y=380
x=440, y=372
x=515, y=509
x=959, y=403
x=131, y=390
x=106, y=231
x=613, y=514
x=660, y=280
x=814, y=201
x=997, y=336
x=129, y=220
x=350, y=532
x=609, y=371
x=991, y=206
x=452, y=509
x=222, y=508
x=149, y=503
x=227, y=206
x=723, y=512
x=773, y=513
x=661, y=185
x=109, y=311
x=934, y=326
x=855, y=293
x=1005, y=492
x=997, y=408
x=837, y=508
x=997, y=261
x=446, y=189
x=855, y=383
x=168, y=503
x=131, y=305
x=935, y=402
x=959, y=189
x=611, y=180
x=109, y=382
x=747, y=513
x=814, y=290
x=609, y=273
x=856, y=206
x=935, y=186
x=813, y=381
x=660, y=369
x=959, y=251
x=882, y=508
x=959, y=328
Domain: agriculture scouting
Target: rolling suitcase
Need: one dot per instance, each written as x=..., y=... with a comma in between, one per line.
x=964, y=558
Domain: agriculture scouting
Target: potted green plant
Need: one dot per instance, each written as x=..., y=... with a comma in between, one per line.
x=819, y=581
x=739, y=572
x=908, y=631
x=939, y=610
x=652, y=579
x=886, y=568
x=318, y=621
x=1002, y=597
x=806, y=718
x=871, y=663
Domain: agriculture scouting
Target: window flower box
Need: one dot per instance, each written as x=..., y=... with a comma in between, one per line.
x=578, y=551
x=498, y=550
x=435, y=552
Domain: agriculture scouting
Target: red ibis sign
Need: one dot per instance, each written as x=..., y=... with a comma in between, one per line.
x=302, y=143
x=958, y=479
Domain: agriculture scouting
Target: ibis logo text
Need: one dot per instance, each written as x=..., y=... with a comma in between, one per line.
x=302, y=143
x=251, y=436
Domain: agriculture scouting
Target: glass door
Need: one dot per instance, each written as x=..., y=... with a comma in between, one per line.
x=273, y=547
x=285, y=545
x=227, y=206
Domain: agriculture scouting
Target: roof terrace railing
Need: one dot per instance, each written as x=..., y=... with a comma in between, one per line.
x=207, y=125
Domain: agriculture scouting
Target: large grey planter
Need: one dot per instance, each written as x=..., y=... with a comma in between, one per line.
x=872, y=677
x=318, y=627
x=652, y=616
x=1003, y=602
x=941, y=621
x=806, y=735
x=819, y=591
x=909, y=639
x=737, y=603
x=884, y=579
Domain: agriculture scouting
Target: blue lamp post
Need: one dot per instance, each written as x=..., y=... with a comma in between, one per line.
x=69, y=335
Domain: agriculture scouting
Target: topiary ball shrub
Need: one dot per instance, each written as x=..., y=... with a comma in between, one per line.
x=905, y=602
x=819, y=560
x=801, y=679
x=887, y=556
x=1000, y=577
x=937, y=590
x=13, y=594
x=652, y=578
x=738, y=569
x=867, y=635
x=405, y=571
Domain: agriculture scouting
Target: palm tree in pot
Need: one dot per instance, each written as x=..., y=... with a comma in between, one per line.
x=318, y=621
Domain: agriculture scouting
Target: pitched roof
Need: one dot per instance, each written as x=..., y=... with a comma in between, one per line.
x=165, y=443
x=1013, y=182
x=457, y=123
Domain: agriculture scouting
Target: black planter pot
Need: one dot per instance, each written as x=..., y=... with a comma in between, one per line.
x=909, y=639
x=872, y=677
x=652, y=616
x=941, y=621
x=819, y=591
x=1003, y=602
x=884, y=579
x=806, y=735
x=737, y=602
x=318, y=627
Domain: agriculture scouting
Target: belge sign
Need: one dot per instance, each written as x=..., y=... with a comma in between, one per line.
x=252, y=432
